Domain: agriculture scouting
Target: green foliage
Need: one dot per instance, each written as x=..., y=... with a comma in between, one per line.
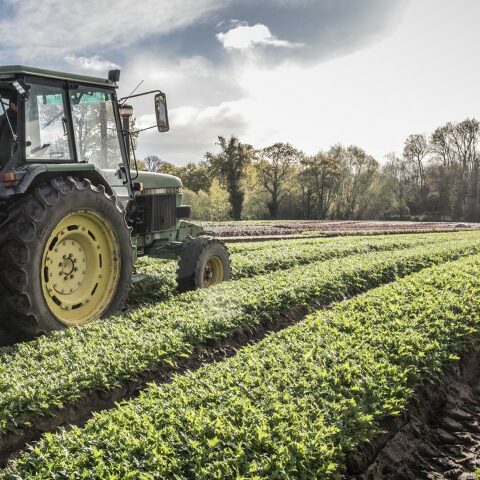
x=229, y=165
x=263, y=257
x=211, y=206
x=436, y=178
x=77, y=361
x=294, y=404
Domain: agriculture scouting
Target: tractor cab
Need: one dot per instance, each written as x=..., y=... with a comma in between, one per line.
x=53, y=118
x=59, y=118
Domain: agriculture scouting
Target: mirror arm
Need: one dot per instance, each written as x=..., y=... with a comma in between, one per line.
x=143, y=129
x=123, y=99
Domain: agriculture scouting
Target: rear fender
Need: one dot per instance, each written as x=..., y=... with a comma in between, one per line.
x=33, y=175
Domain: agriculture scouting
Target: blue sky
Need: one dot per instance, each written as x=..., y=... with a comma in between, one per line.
x=311, y=72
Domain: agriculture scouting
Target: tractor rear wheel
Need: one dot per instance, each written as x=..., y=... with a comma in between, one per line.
x=204, y=262
x=65, y=257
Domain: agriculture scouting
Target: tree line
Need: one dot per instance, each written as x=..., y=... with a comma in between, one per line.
x=435, y=178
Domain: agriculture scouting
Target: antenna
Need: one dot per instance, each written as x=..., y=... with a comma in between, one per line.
x=131, y=93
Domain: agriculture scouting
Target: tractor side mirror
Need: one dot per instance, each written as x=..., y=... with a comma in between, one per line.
x=161, y=112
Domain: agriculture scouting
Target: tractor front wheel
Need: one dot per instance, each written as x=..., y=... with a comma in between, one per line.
x=204, y=262
x=66, y=257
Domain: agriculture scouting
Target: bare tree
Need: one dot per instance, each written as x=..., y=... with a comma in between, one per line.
x=325, y=171
x=274, y=167
x=358, y=178
x=441, y=145
x=415, y=151
x=153, y=163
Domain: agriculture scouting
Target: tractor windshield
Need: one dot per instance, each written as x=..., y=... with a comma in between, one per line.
x=95, y=127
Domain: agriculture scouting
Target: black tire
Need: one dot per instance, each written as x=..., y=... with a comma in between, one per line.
x=29, y=225
x=195, y=256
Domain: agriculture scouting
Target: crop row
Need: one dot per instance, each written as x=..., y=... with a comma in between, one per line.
x=160, y=281
x=290, y=406
x=243, y=247
x=54, y=371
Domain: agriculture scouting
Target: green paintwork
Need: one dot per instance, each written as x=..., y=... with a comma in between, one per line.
x=157, y=180
x=70, y=167
x=40, y=72
x=149, y=179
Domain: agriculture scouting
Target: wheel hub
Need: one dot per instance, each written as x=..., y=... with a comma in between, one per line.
x=69, y=255
x=213, y=271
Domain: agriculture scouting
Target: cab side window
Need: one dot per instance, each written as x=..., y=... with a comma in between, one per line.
x=46, y=124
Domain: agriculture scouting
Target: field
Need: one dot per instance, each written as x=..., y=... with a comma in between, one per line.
x=254, y=230
x=323, y=357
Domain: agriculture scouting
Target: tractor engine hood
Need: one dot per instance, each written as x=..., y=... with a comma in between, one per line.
x=154, y=181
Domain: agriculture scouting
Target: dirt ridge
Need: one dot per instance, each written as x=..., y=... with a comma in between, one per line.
x=436, y=437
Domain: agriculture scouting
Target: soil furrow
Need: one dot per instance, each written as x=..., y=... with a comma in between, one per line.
x=437, y=437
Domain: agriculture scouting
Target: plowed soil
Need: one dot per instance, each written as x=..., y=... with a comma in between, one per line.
x=329, y=228
x=437, y=438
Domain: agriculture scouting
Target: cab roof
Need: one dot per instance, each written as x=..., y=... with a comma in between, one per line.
x=40, y=72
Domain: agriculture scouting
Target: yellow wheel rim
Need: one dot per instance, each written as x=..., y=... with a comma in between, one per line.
x=213, y=271
x=80, y=268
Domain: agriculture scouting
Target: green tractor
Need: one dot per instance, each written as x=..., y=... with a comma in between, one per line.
x=75, y=212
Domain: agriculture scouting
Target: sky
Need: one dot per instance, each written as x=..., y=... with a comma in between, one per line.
x=310, y=72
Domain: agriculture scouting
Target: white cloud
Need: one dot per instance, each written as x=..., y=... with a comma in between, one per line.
x=61, y=27
x=193, y=131
x=415, y=80
x=410, y=82
x=204, y=101
x=243, y=37
x=95, y=64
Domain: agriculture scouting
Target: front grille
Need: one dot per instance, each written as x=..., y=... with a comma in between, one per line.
x=158, y=212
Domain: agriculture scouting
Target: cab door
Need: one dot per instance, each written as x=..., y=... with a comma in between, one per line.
x=97, y=137
x=47, y=132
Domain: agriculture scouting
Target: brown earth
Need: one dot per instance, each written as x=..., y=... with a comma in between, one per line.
x=332, y=228
x=437, y=437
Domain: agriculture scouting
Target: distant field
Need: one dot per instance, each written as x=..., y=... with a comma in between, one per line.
x=261, y=228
